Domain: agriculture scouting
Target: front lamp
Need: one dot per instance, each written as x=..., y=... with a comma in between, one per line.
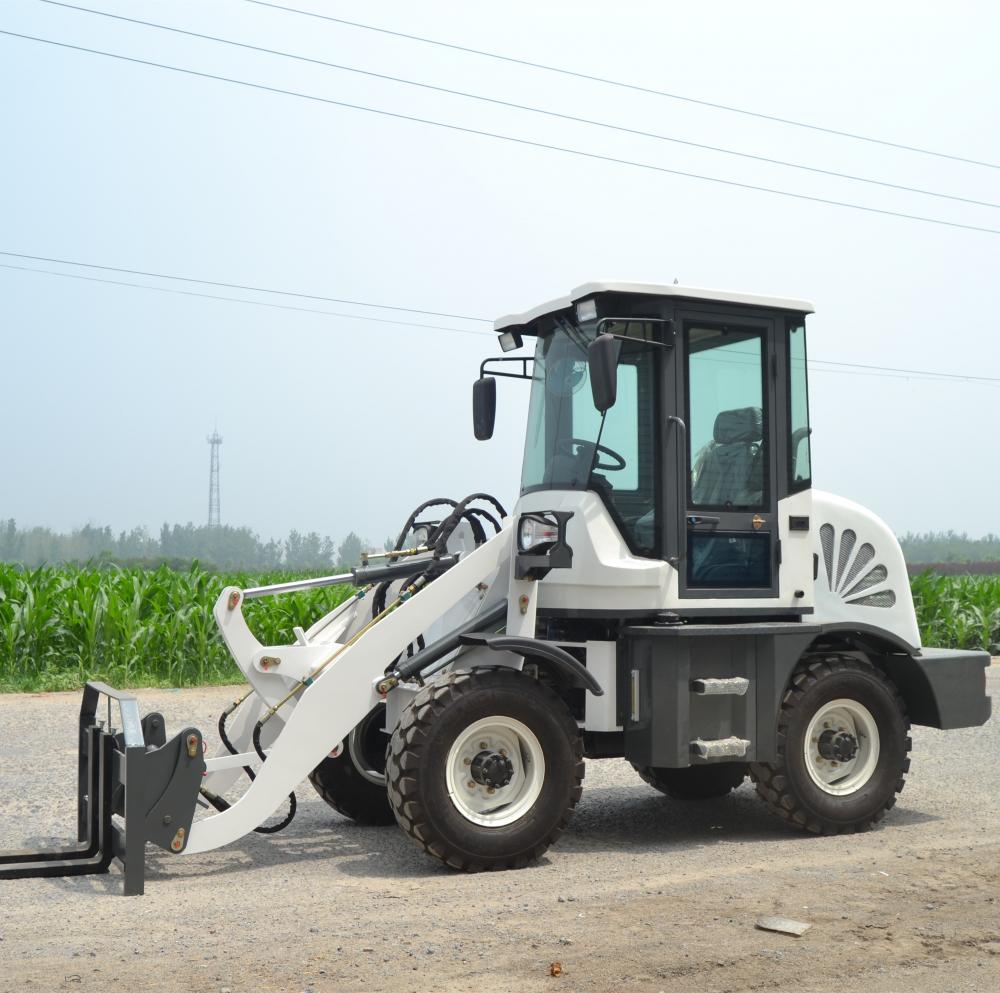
x=536, y=531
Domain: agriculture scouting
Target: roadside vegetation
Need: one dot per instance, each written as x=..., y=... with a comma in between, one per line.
x=958, y=611
x=63, y=625
x=130, y=626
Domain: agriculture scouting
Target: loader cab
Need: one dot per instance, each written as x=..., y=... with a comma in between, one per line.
x=685, y=411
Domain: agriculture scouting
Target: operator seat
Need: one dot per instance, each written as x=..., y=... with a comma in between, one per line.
x=729, y=470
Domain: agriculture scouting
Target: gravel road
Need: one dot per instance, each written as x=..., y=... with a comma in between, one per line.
x=642, y=893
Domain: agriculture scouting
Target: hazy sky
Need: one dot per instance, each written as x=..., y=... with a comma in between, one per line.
x=332, y=423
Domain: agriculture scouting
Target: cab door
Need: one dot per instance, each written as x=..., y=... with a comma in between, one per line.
x=728, y=534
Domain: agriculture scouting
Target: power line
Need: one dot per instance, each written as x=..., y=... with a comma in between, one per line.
x=251, y=303
x=752, y=358
x=629, y=86
x=884, y=372
x=236, y=286
x=525, y=107
x=508, y=138
x=914, y=372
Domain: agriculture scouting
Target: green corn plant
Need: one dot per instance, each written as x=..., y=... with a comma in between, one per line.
x=63, y=625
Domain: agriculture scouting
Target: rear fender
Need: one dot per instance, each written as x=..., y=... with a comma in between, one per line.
x=942, y=688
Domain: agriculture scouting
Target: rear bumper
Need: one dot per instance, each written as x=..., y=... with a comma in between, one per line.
x=944, y=688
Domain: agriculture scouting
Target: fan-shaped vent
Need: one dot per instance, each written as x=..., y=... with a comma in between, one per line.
x=865, y=554
x=847, y=541
x=826, y=542
x=884, y=599
x=878, y=575
x=853, y=575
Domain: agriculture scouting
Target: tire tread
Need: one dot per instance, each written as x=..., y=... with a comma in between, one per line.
x=404, y=754
x=772, y=784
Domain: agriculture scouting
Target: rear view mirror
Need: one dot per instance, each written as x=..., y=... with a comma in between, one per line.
x=484, y=407
x=602, y=360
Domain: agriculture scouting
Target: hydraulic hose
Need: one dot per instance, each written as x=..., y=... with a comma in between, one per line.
x=439, y=538
x=218, y=802
x=438, y=649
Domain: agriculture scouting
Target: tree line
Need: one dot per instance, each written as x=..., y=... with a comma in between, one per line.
x=949, y=546
x=178, y=545
x=228, y=547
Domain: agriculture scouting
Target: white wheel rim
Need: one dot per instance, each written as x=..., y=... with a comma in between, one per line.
x=841, y=778
x=498, y=807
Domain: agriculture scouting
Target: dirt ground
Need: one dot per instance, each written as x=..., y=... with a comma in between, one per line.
x=641, y=894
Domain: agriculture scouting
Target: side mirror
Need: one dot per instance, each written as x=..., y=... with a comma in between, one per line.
x=602, y=361
x=484, y=407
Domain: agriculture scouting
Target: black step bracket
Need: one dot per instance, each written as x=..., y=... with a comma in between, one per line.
x=137, y=774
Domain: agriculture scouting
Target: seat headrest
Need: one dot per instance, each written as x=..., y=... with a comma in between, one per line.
x=744, y=426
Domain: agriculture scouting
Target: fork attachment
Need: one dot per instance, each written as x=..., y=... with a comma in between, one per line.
x=150, y=783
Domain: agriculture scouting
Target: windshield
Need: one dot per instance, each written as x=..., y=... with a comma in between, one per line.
x=571, y=446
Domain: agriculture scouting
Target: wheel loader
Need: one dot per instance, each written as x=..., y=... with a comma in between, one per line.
x=669, y=588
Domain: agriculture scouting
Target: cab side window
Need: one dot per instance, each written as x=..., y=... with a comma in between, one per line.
x=727, y=456
x=799, y=453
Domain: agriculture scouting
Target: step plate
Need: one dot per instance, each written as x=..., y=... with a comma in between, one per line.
x=720, y=748
x=733, y=686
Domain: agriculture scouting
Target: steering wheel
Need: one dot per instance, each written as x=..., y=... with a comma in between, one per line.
x=564, y=447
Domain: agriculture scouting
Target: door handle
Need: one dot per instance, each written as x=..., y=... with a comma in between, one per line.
x=681, y=426
x=695, y=520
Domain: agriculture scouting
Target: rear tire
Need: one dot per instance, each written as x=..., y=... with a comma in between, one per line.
x=485, y=769
x=697, y=782
x=843, y=747
x=353, y=782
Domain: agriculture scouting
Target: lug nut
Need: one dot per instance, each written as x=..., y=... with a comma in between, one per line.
x=471, y=784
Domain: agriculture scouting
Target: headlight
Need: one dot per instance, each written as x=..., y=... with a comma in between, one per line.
x=536, y=531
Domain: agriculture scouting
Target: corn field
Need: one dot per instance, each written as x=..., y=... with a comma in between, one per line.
x=63, y=625
x=958, y=611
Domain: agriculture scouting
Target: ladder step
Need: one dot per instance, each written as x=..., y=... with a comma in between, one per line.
x=733, y=686
x=720, y=748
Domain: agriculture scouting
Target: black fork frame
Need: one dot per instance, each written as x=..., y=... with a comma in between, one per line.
x=150, y=783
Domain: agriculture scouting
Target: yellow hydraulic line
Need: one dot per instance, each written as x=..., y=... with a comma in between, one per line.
x=396, y=554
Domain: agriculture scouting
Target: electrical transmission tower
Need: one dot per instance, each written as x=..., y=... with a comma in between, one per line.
x=214, y=518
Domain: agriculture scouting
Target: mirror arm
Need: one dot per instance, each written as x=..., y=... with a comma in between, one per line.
x=523, y=374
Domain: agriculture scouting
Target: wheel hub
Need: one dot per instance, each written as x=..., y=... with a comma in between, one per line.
x=839, y=746
x=492, y=769
x=495, y=770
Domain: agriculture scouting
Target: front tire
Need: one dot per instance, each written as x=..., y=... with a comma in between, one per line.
x=843, y=747
x=485, y=769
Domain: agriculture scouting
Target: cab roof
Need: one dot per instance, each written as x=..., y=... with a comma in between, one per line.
x=520, y=322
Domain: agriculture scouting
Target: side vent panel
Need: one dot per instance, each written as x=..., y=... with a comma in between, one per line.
x=847, y=542
x=861, y=561
x=884, y=599
x=826, y=542
x=848, y=574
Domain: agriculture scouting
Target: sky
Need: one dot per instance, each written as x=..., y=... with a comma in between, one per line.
x=338, y=423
